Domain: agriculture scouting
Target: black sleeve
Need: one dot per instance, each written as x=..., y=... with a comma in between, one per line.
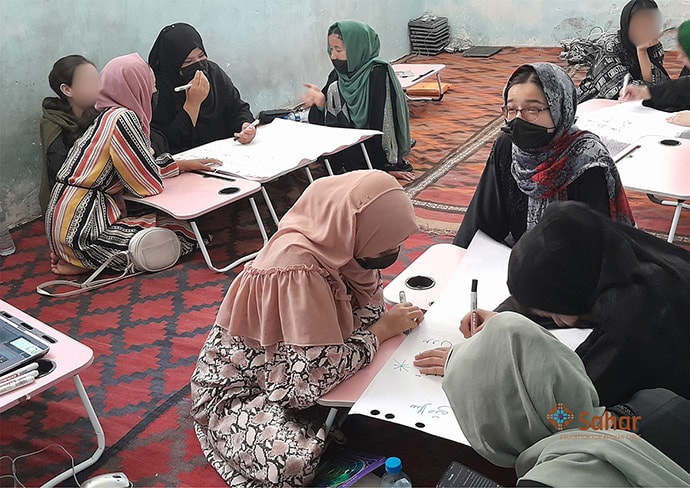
x=180, y=133
x=670, y=96
x=237, y=111
x=317, y=116
x=377, y=97
x=487, y=211
x=590, y=188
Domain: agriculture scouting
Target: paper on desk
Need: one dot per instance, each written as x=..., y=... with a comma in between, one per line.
x=399, y=389
x=622, y=124
x=278, y=148
x=400, y=393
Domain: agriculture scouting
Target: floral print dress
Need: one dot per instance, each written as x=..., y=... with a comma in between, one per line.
x=255, y=406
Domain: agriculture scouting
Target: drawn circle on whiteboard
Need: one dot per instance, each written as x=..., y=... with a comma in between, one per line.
x=420, y=282
x=375, y=412
x=420, y=425
x=431, y=303
x=669, y=142
x=389, y=416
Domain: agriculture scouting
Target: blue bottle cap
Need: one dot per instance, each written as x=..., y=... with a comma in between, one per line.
x=393, y=465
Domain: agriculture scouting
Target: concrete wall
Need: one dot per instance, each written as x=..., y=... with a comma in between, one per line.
x=269, y=47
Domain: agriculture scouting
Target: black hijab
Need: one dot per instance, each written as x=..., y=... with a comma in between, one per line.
x=221, y=113
x=630, y=9
x=632, y=288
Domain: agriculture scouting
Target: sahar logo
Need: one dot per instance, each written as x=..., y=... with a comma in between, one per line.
x=560, y=416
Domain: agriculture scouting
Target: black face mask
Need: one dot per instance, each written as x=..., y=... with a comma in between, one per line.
x=154, y=100
x=526, y=135
x=188, y=72
x=340, y=65
x=380, y=262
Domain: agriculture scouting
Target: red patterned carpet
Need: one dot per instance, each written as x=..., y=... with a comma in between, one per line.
x=146, y=332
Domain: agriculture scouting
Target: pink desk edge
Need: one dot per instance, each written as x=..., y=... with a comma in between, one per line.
x=190, y=195
x=71, y=357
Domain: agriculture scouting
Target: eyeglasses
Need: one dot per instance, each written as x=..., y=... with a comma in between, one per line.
x=529, y=114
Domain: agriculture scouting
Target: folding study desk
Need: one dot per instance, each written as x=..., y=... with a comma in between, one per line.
x=410, y=75
x=659, y=166
x=70, y=358
x=191, y=195
x=279, y=148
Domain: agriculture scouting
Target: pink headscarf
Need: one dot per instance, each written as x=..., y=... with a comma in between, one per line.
x=303, y=285
x=128, y=82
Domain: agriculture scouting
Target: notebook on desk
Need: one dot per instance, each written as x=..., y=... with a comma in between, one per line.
x=18, y=345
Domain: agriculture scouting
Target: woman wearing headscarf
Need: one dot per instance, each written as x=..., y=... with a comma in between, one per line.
x=630, y=287
x=635, y=50
x=85, y=223
x=209, y=110
x=304, y=316
x=524, y=400
x=76, y=82
x=671, y=95
x=362, y=92
x=542, y=158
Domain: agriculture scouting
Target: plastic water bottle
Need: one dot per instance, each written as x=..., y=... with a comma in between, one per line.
x=301, y=116
x=394, y=475
x=6, y=242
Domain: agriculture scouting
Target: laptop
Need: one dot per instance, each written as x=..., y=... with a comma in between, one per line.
x=481, y=51
x=459, y=475
x=20, y=343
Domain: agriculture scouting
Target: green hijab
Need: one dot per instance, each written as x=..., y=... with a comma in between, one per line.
x=363, y=45
x=54, y=121
x=503, y=385
x=684, y=37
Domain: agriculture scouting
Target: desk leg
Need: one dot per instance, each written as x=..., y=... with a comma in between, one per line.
x=269, y=204
x=428, y=99
x=100, y=437
x=241, y=260
x=366, y=155
x=328, y=166
x=328, y=425
x=309, y=175
x=676, y=219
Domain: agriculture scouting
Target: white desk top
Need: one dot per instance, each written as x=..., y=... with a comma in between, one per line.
x=410, y=74
x=71, y=357
x=279, y=148
x=190, y=195
x=657, y=168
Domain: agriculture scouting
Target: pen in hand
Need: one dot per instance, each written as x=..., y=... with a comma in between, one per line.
x=473, y=307
x=253, y=124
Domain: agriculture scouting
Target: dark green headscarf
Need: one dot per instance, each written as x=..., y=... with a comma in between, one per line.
x=684, y=37
x=363, y=45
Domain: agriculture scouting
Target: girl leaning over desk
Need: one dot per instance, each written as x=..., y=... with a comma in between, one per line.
x=541, y=158
x=672, y=95
x=307, y=314
x=363, y=92
x=209, y=110
x=635, y=50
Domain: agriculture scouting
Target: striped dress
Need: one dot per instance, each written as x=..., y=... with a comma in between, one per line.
x=83, y=222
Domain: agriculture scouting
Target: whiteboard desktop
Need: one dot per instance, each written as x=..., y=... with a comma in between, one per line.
x=278, y=148
x=400, y=393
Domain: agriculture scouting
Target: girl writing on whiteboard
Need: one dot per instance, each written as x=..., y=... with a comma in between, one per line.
x=304, y=316
x=207, y=109
x=634, y=50
x=541, y=158
x=362, y=92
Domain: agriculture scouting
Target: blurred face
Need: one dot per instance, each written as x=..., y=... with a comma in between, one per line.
x=645, y=26
x=194, y=56
x=683, y=57
x=86, y=83
x=336, y=48
x=529, y=101
x=559, y=319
